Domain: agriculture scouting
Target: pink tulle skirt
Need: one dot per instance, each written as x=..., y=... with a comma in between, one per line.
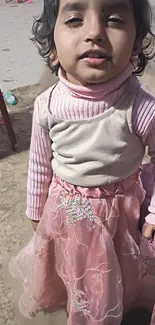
x=86, y=255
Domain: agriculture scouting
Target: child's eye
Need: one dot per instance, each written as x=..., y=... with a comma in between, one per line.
x=74, y=22
x=115, y=20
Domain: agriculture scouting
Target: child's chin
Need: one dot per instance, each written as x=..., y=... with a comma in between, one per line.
x=95, y=77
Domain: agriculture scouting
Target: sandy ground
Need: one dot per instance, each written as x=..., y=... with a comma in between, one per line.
x=15, y=229
x=20, y=64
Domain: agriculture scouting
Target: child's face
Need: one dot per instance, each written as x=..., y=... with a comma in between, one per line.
x=104, y=28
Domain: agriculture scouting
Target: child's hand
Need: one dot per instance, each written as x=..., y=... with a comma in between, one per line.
x=34, y=224
x=149, y=231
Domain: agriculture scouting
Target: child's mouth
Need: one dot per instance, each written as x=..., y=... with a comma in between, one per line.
x=94, y=57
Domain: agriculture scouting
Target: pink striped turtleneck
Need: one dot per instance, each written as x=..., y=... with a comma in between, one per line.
x=83, y=102
x=77, y=102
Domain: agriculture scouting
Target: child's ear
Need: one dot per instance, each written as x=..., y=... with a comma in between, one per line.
x=54, y=61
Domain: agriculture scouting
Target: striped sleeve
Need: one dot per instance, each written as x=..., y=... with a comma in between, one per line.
x=39, y=170
x=143, y=121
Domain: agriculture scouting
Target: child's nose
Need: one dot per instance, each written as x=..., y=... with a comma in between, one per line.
x=95, y=31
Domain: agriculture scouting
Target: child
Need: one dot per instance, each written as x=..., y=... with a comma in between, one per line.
x=89, y=135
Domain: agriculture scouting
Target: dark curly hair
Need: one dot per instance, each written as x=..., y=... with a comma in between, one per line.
x=43, y=33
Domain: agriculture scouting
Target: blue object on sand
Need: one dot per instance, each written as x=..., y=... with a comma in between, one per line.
x=9, y=97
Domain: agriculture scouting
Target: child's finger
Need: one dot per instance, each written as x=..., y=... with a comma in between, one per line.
x=148, y=231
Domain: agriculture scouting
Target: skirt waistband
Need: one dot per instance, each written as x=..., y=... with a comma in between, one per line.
x=99, y=192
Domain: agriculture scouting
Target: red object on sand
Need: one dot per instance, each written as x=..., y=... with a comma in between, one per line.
x=2, y=121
